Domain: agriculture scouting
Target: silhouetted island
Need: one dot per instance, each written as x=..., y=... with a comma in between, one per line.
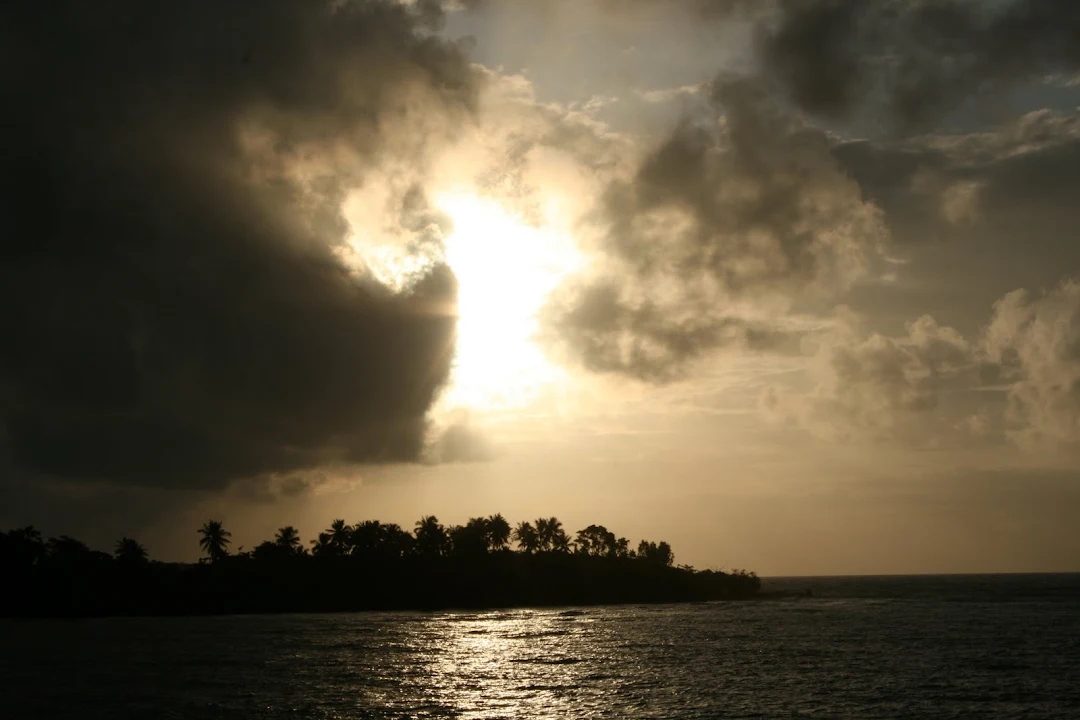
x=367, y=566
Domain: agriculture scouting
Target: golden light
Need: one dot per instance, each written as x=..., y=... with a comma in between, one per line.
x=506, y=268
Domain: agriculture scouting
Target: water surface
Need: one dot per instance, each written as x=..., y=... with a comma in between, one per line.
x=978, y=647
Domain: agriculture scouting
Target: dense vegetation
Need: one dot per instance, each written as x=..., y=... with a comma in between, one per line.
x=367, y=566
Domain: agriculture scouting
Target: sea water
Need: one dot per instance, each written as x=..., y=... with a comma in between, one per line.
x=918, y=647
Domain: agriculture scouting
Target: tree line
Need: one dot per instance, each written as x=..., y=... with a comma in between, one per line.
x=371, y=538
x=368, y=565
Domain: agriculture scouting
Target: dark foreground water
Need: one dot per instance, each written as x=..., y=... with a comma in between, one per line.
x=957, y=647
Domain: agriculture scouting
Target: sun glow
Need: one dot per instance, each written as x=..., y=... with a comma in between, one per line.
x=506, y=268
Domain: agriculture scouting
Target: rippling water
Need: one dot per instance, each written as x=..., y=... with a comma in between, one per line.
x=860, y=648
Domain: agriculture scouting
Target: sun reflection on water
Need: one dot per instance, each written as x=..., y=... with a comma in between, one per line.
x=517, y=664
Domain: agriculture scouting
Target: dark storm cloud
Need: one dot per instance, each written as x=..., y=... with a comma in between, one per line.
x=745, y=205
x=172, y=308
x=914, y=58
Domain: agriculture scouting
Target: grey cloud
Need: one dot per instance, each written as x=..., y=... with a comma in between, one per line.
x=743, y=208
x=914, y=59
x=172, y=308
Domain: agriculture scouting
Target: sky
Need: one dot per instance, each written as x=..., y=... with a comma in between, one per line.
x=793, y=284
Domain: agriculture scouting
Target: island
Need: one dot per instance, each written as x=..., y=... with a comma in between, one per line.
x=370, y=565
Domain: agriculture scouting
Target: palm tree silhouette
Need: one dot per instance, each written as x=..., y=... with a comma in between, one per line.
x=526, y=537
x=551, y=536
x=498, y=532
x=130, y=552
x=341, y=536
x=470, y=540
x=560, y=541
x=431, y=537
x=214, y=540
x=288, y=538
x=366, y=538
x=323, y=546
x=395, y=542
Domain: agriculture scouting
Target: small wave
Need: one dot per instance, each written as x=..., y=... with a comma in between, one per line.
x=548, y=688
x=573, y=613
x=547, y=661
x=490, y=617
x=538, y=634
x=427, y=709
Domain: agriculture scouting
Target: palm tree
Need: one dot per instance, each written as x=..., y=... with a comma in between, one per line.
x=323, y=546
x=498, y=532
x=341, y=535
x=366, y=538
x=431, y=537
x=471, y=539
x=526, y=538
x=396, y=542
x=288, y=538
x=560, y=541
x=214, y=539
x=130, y=552
x=544, y=533
x=551, y=535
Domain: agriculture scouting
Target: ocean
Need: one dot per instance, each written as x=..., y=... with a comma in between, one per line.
x=897, y=647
